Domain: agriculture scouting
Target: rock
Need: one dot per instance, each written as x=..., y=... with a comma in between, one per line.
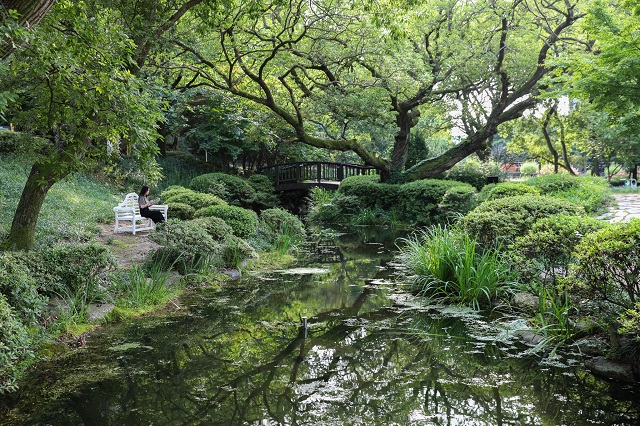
x=531, y=338
x=601, y=366
x=95, y=312
x=525, y=301
x=233, y=274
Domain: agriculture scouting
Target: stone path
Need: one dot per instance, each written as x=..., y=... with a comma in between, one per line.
x=628, y=206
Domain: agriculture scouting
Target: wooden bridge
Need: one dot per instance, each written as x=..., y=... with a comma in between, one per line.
x=311, y=174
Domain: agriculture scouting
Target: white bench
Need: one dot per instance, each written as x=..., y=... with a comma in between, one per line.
x=129, y=211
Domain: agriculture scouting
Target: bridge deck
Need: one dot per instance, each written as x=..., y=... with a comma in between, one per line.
x=306, y=175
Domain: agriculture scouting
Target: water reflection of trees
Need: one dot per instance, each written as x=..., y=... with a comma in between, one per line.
x=241, y=358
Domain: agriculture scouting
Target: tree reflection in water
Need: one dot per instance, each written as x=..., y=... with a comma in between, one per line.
x=372, y=356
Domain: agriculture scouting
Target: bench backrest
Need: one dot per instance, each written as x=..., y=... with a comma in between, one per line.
x=131, y=201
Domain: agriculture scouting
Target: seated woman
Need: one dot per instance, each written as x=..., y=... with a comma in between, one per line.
x=145, y=203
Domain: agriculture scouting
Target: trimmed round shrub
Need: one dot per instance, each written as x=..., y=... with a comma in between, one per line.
x=501, y=221
x=548, y=246
x=607, y=264
x=181, y=211
x=243, y=222
x=184, y=243
x=506, y=189
x=473, y=172
x=421, y=202
x=20, y=289
x=233, y=189
x=14, y=346
x=172, y=190
x=197, y=200
x=274, y=222
x=214, y=226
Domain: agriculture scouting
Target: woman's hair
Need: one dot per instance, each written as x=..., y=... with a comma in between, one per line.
x=143, y=191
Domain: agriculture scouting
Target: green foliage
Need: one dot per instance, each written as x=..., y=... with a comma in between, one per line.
x=141, y=287
x=243, y=222
x=552, y=320
x=236, y=250
x=76, y=265
x=590, y=192
x=630, y=320
x=504, y=219
x=214, y=226
x=197, y=200
x=473, y=172
x=421, y=202
x=185, y=245
x=15, y=346
x=19, y=288
x=529, y=168
x=607, y=265
x=446, y=264
x=548, y=246
x=232, y=189
x=181, y=211
x=266, y=197
x=71, y=210
x=505, y=189
x=281, y=229
x=180, y=167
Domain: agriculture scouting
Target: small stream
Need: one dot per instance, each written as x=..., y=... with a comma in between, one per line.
x=371, y=354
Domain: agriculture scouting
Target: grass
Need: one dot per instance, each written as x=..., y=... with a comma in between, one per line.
x=70, y=211
x=446, y=265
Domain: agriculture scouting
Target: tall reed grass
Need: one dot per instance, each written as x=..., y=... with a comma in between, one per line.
x=446, y=264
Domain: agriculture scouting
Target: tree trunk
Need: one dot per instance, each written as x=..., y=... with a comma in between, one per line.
x=547, y=138
x=30, y=13
x=23, y=227
x=401, y=146
x=565, y=154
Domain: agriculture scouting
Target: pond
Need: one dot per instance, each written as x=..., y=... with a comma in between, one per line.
x=370, y=354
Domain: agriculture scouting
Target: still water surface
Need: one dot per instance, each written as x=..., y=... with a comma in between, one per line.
x=371, y=354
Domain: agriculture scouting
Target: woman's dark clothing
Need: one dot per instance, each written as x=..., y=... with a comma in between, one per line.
x=154, y=215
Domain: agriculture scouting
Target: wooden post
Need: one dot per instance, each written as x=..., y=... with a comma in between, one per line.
x=276, y=176
x=319, y=171
x=340, y=172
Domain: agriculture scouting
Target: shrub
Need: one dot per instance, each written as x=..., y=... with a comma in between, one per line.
x=457, y=201
x=236, y=250
x=446, y=264
x=196, y=200
x=172, y=190
x=419, y=201
x=548, y=246
x=506, y=189
x=630, y=320
x=185, y=245
x=473, y=172
x=76, y=264
x=243, y=222
x=529, y=168
x=607, y=265
x=590, y=192
x=214, y=226
x=19, y=289
x=233, y=189
x=14, y=346
x=181, y=211
x=281, y=229
x=266, y=197
x=502, y=220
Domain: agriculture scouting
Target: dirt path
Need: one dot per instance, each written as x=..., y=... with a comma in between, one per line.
x=128, y=249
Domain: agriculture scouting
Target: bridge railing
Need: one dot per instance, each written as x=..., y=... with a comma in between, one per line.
x=312, y=173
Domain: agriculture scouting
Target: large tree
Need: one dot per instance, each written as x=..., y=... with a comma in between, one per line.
x=328, y=67
x=75, y=92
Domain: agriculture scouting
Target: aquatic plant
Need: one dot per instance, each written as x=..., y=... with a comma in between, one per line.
x=446, y=264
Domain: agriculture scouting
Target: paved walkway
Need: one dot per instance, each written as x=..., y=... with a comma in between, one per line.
x=628, y=207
